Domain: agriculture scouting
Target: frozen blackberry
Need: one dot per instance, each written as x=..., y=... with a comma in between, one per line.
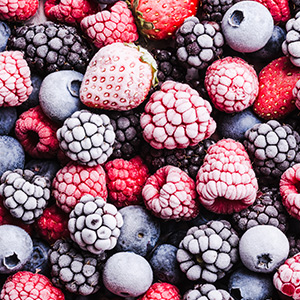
x=266, y=210
x=272, y=148
x=208, y=251
x=126, y=125
x=50, y=47
x=198, y=43
x=189, y=159
x=25, y=194
x=75, y=270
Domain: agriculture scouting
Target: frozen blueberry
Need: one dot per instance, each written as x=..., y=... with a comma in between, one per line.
x=140, y=231
x=8, y=118
x=12, y=155
x=15, y=248
x=245, y=284
x=59, y=94
x=4, y=35
x=43, y=167
x=164, y=264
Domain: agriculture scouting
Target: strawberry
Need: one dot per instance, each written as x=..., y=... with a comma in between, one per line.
x=159, y=19
x=275, y=98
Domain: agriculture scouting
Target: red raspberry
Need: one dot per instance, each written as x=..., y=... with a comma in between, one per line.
x=116, y=24
x=53, y=224
x=37, y=133
x=15, y=82
x=18, y=10
x=176, y=117
x=287, y=278
x=289, y=190
x=69, y=11
x=232, y=84
x=27, y=285
x=226, y=182
x=125, y=180
x=161, y=291
x=74, y=180
x=170, y=194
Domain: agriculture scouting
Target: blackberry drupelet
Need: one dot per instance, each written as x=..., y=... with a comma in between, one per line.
x=49, y=47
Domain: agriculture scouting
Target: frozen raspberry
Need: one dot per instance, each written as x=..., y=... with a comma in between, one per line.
x=296, y=94
x=69, y=12
x=37, y=133
x=232, y=84
x=176, y=116
x=18, y=10
x=53, y=224
x=115, y=24
x=161, y=291
x=286, y=279
x=289, y=190
x=15, y=83
x=226, y=182
x=125, y=180
x=27, y=285
x=74, y=180
x=170, y=194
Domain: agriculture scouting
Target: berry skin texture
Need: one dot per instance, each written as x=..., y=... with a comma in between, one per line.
x=176, y=116
x=69, y=12
x=18, y=11
x=15, y=86
x=162, y=291
x=27, y=285
x=37, y=133
x=74, y=180
x=158, y=20
x=125, y=180
x=232, y=84
x=226, y=182
x=277, y=80
x=170, y=194
x=115, y=24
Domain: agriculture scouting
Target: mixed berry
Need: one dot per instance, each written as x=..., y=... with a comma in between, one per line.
x=149, y=150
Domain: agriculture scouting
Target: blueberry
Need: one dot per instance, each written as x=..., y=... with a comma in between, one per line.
x=12, y=155
x=235, y=125
x=247, y=26
x=59, y=94
x=164, y=264
x=245, y=284
x=140, y=231
x=8, y=118
x=38, y=261
x=43, y=167
x=4, y=35
x=15, y=248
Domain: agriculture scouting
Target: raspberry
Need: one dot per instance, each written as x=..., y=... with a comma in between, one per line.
x=176, y=117
x=18, y=11
x=232, y=84
x=286, y=279
x=74, y=180
x=170, y=194
x=161, y=291
x=226, y=182
x=69, y=12
x=37, y=133
x=53, y=224
x=125, y=180
x=15, y=86
x=115, y=24
x=289, y=190
x=27, y=285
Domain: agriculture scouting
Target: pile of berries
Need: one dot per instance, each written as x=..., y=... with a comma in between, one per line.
x=149, y=150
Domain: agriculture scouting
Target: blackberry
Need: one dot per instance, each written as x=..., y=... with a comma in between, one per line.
x=198, y=43
x=266, y=210
x=294, y=242
x=272, y=148
x=188, y=159
x=49, y=47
